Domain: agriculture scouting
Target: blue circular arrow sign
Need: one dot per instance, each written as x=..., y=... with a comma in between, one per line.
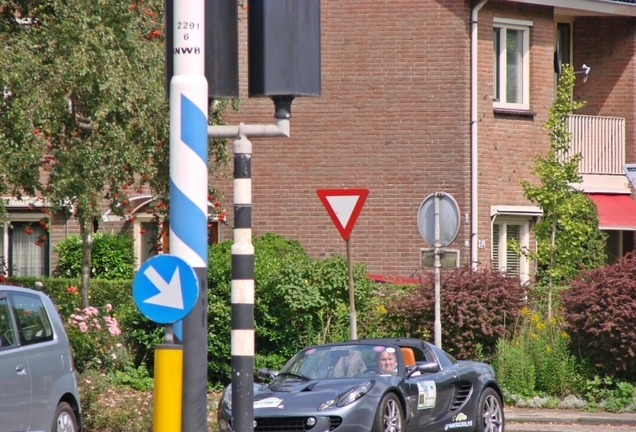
x=165, y=289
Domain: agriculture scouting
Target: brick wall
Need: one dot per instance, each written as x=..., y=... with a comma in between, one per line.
x=607, y=45
x=509, y=143
x=393, y=117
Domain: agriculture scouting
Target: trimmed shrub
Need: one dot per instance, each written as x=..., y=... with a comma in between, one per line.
x=298, y=302
x=477, y=307
x=112, y=256
x=600, y=309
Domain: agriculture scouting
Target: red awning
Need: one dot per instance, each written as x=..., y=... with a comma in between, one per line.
x=615, y=212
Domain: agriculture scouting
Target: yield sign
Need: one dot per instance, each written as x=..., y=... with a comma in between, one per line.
x=344, y=206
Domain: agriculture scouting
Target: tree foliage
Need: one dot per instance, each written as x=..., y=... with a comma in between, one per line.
x=84, y=117
x=567, y=235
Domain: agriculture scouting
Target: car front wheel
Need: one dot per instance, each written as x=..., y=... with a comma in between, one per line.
x=491, y=409
x=389, y=417
x=64, y=420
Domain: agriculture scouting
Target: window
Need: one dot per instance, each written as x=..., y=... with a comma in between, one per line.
x=563, y=48
x=505, y=259
x=145, y=235
x=7, y=330
x=24, y=246
x=511, y=81
x=33, y=322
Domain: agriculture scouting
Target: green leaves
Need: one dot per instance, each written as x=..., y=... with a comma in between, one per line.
x=568, y=238
x=87, y=101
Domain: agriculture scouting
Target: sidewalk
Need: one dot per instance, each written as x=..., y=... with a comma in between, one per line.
x=565, y=416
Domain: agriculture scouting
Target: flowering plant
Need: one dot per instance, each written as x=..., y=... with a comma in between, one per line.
x=96, y=340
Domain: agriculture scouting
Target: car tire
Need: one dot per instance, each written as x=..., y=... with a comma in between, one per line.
x=64, y=420
x=490, y=415
x=389, y=416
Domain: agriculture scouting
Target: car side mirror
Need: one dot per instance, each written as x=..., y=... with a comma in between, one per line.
x=266, y=374
x=428, y=367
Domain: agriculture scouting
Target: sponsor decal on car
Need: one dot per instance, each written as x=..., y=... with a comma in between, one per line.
x=271, y=402
x=427, y=394
x=459, y=421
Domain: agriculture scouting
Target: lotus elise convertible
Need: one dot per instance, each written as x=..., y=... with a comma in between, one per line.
x=347, y=387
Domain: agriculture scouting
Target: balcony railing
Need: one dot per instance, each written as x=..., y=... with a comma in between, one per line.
x=601, y=142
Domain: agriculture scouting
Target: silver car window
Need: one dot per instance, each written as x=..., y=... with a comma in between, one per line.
x=34, y=325
x=7, y=330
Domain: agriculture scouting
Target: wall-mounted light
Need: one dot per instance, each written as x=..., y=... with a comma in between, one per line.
x=585, y=71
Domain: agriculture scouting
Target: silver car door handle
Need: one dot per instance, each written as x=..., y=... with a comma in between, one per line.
x=20, y=369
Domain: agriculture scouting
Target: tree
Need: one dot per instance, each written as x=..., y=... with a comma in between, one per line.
x=84, y=117
x=568, y=238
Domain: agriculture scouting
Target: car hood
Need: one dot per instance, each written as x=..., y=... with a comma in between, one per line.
x=278, y=398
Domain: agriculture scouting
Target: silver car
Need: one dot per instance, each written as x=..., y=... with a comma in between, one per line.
x=38, y=387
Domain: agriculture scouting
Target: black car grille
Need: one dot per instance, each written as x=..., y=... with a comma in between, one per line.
x=289, y=424
x=462, y=393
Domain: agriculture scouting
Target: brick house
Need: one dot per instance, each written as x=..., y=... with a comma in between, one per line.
x=422, y=96
x=402, y=114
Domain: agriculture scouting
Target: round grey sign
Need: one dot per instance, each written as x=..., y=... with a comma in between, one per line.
x=448, y=218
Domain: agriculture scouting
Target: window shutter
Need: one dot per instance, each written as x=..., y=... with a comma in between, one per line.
x=512, y=258
x=495, y=247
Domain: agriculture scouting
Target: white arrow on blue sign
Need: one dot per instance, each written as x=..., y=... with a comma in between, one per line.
x=165, y=289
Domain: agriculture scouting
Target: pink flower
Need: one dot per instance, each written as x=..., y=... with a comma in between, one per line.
x=91, y=311
x=108, y=307
x=83, y=327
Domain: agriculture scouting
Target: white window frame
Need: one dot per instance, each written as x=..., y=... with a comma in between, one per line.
x=504, y=24
x=502, y=241
x=17, y=217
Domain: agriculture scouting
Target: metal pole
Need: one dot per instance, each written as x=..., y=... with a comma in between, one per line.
x=242, y=290
x=168, y=388
x=353, y=333
x=188, y=195
x=437, y=246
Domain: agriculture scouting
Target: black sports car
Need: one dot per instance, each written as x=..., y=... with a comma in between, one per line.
x=379, y=385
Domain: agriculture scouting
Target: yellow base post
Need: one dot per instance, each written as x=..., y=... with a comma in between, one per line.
x=168, y=388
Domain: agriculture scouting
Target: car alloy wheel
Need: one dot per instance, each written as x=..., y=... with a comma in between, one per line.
x=492, y=412
x=389, y=417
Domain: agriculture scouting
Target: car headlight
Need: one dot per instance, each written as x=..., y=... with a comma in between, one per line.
x=354, y=394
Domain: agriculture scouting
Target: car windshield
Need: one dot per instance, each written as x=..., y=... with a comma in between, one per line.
x=341, y=361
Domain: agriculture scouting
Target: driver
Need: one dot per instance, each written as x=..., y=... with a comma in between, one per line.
x=387, y=361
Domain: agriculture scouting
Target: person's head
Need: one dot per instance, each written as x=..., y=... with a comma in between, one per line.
x=386, y=360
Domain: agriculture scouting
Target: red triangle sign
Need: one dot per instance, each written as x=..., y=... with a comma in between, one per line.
x=344, y=206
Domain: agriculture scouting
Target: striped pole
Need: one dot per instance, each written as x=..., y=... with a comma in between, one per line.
x=242, y=290
x=188, y=195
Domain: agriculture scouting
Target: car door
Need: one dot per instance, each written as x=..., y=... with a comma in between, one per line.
x=45, y=356
x=431, y=393
x=15, y=388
